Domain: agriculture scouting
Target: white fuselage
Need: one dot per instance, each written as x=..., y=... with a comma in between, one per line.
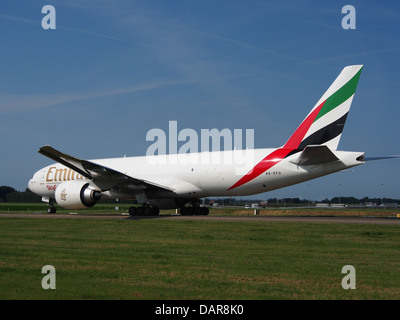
x=197, y=175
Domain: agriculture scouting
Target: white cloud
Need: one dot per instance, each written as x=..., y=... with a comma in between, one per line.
x=58, y=26
x=29, y=102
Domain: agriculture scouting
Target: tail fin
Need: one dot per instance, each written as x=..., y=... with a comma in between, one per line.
x=324, y=124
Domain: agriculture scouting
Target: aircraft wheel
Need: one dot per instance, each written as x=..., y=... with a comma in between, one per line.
x=155, y=211
x=146, y=211
x=132, y=211
x=139, y=211
x=51, y=209
x=204, y=211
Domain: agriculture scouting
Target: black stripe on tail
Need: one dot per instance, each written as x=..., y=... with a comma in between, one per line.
x=325, y=134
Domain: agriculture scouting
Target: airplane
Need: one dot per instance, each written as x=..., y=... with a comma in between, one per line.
x=176, y=183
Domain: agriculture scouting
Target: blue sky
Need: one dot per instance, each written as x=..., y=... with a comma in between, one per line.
x=113, y=70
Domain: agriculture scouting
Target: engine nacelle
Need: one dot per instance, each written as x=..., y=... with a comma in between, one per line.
x=76, y=195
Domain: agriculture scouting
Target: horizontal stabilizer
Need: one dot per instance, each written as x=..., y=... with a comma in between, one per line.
x=313, y=155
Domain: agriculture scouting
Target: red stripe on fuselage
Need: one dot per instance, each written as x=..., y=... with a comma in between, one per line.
x=276, y=156
x=268, y=162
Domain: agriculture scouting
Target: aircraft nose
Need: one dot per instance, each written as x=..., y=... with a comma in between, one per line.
x=33, y=185
x=30, y=184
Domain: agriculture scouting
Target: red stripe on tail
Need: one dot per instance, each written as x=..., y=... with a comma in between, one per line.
x=276, y=156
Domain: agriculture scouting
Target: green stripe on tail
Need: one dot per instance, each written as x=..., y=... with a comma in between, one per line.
x=340, y=96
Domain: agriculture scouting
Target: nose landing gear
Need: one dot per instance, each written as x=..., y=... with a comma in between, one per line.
x=51, y=208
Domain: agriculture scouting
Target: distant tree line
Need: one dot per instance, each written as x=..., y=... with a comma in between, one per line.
x=9, y=194
x=272, y=202
x=352, y=200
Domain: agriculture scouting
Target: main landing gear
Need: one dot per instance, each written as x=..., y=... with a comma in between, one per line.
x=193, y=208
x=144, y=210
x=194, y=211
x=189, y=207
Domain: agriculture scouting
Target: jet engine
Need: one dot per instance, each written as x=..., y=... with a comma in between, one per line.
x=76, y=195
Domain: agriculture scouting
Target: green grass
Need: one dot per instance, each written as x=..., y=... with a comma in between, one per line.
x=42, y=208
x=168, y=259
x=109, y=209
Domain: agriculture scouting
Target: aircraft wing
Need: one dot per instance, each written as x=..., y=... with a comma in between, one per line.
x=318, y=154
x=95, y=171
